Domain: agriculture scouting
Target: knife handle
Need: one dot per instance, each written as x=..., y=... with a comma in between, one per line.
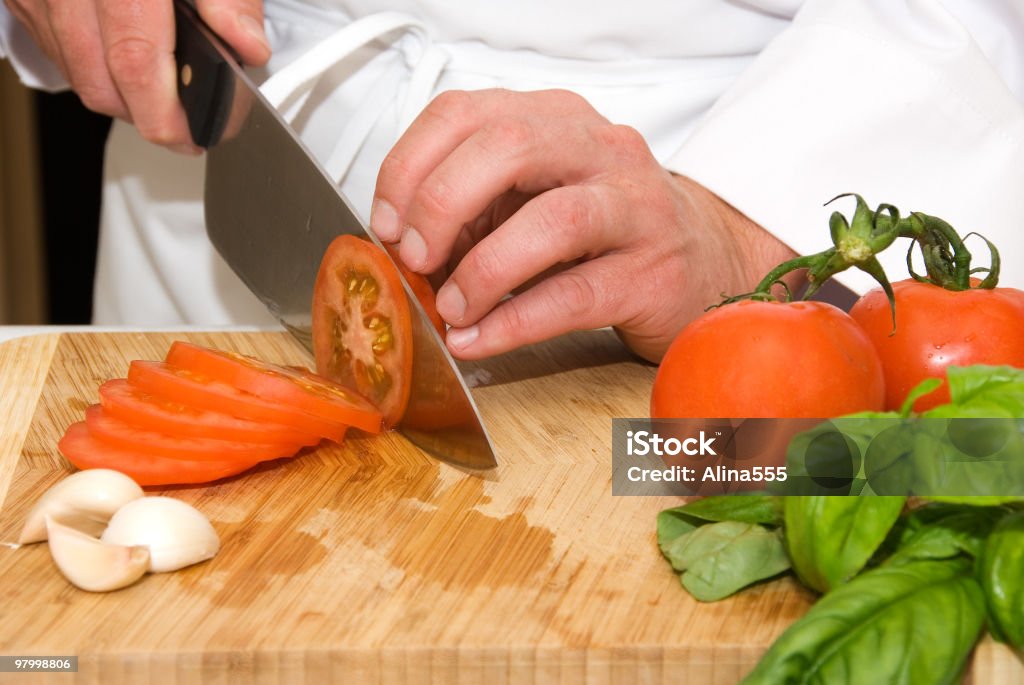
x=205, y=81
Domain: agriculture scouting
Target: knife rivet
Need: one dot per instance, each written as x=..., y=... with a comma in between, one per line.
x=186, y=75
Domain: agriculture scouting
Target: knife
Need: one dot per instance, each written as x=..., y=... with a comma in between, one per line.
x=271, y=211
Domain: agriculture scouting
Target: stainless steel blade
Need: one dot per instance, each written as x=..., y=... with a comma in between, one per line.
x=271, y=212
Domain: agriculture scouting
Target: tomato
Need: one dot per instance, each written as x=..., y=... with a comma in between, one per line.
x=421, y=288
x=936, y=328
x=362, y=331
x=201, y=392
x=753, y=359
x=87, y=452
x=119, y=433
x=149, y=412
x=287, y=385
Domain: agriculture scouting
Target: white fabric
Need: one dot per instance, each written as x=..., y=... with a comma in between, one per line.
x=912, y=102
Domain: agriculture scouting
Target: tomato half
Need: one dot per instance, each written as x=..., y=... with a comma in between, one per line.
x=421, y=288
x=936, y=328
x=362, y=331
x=196, y=390
x=88, y=452
x=752, y=359
x=288, y=385
x=119, y=433
x=149, y=412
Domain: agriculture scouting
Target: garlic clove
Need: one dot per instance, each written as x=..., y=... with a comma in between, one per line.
x=91, y=564
x=176, y=533
x=85, y=499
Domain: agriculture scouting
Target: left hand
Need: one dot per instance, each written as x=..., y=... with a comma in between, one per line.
x=537, y=194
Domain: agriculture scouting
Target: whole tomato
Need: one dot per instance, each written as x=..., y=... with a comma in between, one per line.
x=756, y=359
x=936, y=328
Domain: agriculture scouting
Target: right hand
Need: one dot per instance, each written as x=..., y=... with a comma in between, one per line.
x=118, y=55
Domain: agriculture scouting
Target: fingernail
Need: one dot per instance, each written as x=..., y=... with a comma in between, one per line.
x=461, y=338
x=413, y=250
x=187, y=149
x=451, y=303
x=254, y=28
x=384, y=221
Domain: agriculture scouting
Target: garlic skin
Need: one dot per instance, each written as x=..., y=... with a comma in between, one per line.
x=176, y=533
x=85, y=499
x=92, y=565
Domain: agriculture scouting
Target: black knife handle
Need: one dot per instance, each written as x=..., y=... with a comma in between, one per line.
x=205, y=80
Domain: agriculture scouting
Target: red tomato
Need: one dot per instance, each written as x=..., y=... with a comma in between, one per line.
x=118, y=433
x=149, y=412
x=87, y=452
x=421, y=288
x=201, y=392
x=286, y=385
x=936, y=328
x=755, y=359
x=362, y=331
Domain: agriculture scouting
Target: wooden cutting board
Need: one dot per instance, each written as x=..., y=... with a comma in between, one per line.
x=371, y=563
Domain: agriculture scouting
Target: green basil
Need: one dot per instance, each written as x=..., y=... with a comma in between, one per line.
x=913, y=624
x=830, y=539
x=1001, y=569
x=943, y=531
x=721, y=558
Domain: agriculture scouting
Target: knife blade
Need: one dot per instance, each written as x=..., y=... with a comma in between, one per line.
x=271, y=211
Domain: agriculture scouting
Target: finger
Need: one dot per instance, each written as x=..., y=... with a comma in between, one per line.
x=445, y=123
x=590, y=295
x=240, y=24
x=138, y=38
x=528, y=155
x=556, y=227
x=76, y=29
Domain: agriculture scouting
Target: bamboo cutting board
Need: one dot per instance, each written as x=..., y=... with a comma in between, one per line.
x=371, y=563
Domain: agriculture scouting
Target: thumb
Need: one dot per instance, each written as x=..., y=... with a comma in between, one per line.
x=240, y=24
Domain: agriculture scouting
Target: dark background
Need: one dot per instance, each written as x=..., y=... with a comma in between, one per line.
x=71, y=141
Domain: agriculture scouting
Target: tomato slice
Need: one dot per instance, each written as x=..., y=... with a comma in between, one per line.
x=120, y=433
x=196, y=390
x=362, y=331
x=88, y=452
x=150, y=412
x=288, y=385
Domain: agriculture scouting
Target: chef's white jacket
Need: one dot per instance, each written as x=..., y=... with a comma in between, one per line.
x=775, y=105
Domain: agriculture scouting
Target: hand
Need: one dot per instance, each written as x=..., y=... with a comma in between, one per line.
x=538, y=194
x=118, y=54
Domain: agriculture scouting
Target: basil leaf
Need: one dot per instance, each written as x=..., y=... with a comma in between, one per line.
x=943, y=531
x=721, y=558
x=913, y=624
x=830, y=539
x=1001, y=569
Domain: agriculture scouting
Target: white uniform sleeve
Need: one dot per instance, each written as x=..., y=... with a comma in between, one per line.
x=34, y=68
x=909, y=102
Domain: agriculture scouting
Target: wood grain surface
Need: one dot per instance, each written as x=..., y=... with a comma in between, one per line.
x=371, y=563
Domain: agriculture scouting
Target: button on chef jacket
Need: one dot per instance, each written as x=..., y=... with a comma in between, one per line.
x=775, y=105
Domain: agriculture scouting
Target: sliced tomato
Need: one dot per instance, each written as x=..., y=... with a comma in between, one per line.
x=362, y=331
x=287, y=385
x=120, y=433
x=196, y=390
x=88, y=452
x=150, y=412
x=421, y=288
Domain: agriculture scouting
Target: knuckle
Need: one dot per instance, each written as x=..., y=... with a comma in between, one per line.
x=131, y=60
x=577, y=296
x=566, y=214
x=99, y=99
x=450, y=105
x=508, y=135
x=436, y=199
x=626, y=140
x=395, y=170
